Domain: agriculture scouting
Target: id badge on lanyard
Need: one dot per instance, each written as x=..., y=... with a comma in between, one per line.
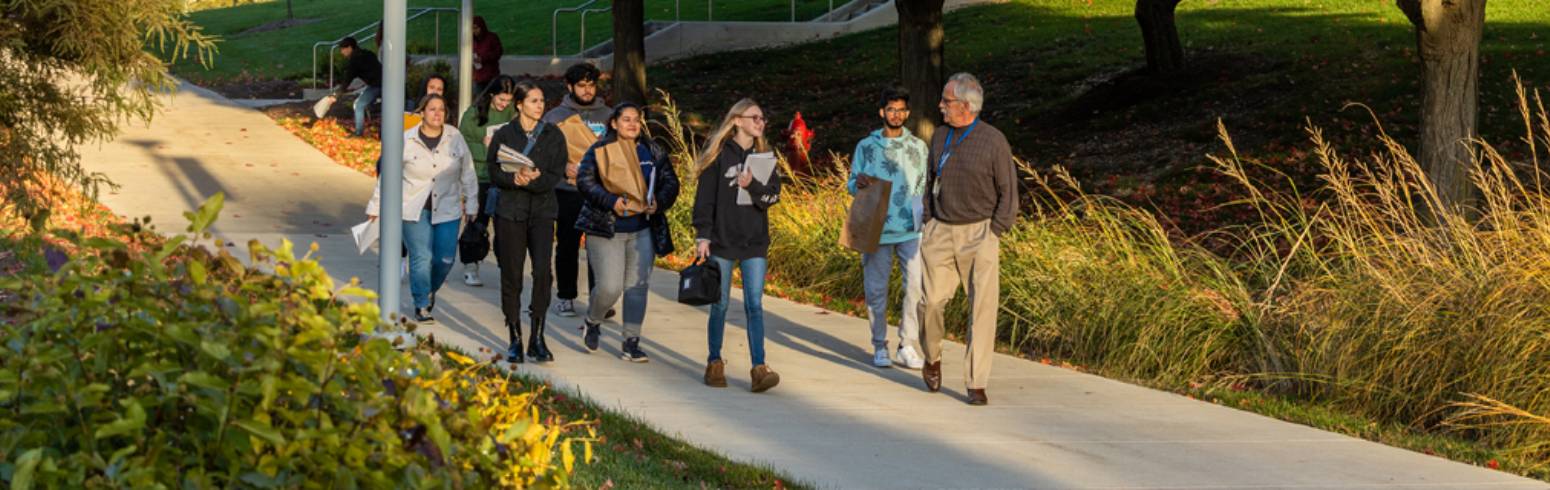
x=936, y=185
x=947, y=152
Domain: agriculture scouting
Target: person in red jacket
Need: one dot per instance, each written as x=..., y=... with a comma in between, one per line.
x=487, y=55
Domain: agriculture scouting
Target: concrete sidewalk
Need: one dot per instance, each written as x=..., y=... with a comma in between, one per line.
x=834, y=420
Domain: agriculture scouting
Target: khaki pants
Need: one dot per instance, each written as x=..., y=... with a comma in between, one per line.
x=970, y=255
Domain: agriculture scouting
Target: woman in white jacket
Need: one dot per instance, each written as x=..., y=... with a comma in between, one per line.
x=440, y=187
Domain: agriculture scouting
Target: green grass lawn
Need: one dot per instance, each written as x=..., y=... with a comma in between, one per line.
x=1258, y=64
x=1057, y=75
x=523, y=25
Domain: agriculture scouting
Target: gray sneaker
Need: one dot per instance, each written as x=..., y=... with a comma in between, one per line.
x=880, y=358
x=565, y=308
x=471, y=275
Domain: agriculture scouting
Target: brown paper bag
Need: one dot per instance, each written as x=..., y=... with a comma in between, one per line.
x=578, y=138
x=868, y=211
x=619, y=169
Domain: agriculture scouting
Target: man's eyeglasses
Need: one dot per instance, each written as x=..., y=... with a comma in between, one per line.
x=896, y=111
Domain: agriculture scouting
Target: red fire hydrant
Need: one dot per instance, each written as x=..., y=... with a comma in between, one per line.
x=799, y=140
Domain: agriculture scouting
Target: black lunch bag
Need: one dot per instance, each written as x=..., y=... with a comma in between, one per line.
x=700, y=284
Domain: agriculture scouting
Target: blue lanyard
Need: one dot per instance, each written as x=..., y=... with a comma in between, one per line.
x=948, y=143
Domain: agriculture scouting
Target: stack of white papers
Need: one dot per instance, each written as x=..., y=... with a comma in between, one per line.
x=651, y=188
x=762, y=165
x=511, y=160
x=489, y=132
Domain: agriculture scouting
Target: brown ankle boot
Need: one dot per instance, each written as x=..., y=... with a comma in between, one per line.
x=763, y=378
x=715, y=374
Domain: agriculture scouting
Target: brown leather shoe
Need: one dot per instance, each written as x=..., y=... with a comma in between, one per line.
x=977, y=397
x=715, y=374
x=763, y=378
x=932, y=374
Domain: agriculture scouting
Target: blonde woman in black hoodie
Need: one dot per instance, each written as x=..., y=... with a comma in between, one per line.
x=733, y=234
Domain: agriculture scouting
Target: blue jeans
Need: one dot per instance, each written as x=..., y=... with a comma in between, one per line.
x=753, y=306
x=363, y=102
x=432, y=249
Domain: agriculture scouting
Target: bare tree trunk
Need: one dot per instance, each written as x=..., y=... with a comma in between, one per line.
x=921, y=39
x=1159, y=32
x=629, y=77
x=1448, y=35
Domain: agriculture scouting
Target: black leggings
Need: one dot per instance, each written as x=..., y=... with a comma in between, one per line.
x=514, y=242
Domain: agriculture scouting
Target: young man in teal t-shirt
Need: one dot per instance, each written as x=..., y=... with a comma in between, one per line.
x=893, y=154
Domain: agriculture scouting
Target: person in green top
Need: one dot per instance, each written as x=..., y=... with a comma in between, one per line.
x=493, y=110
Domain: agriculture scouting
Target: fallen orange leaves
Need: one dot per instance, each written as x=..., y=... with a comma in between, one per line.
x=334, y=140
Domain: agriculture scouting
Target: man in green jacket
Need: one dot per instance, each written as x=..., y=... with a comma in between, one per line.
x=479, y=122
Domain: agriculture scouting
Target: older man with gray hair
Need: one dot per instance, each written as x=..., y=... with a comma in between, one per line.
x=971, y=201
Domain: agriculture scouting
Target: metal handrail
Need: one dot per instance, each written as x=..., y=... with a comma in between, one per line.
x=416, y=13
x=554, y=26
x=583, y=49
x=554, y=21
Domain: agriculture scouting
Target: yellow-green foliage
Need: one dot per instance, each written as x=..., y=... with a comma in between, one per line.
x=174, y=367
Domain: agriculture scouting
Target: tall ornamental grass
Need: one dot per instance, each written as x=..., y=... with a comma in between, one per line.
x=1381, y=300
x=1392, y=304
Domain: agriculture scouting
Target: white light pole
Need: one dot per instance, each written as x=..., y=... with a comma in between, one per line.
x=465, y=59
x=392, y=176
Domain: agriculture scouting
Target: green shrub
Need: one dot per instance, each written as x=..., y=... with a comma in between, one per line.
x=176, y=367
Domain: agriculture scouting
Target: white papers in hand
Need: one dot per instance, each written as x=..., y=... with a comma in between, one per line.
x=365, y=235
x=489, y=132
x=763, y=166
x=651, y=188
x=511, y=160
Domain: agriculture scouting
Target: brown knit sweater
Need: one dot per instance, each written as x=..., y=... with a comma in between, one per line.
x=978, y=182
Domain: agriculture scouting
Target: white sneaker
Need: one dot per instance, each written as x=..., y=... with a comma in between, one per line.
x=880, y=358
x=471, y=274
x=909, y=358
x=565, y=308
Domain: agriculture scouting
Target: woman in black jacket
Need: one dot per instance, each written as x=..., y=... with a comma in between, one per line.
x=524, y=212
x=627, y=185
x=731, y=233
